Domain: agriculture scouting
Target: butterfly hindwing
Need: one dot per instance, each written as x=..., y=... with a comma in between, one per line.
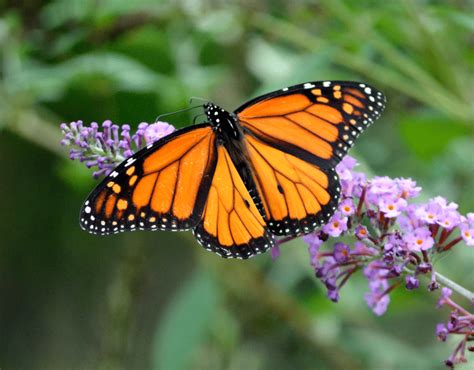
x=297, y=196
x=163, y=186
x=231, y=224
x=315, y=121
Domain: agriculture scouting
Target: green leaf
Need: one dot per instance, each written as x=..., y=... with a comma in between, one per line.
x=185, y=323
x=49, y=82
x=148, y=45
x=60, y=12
x=462, y=19
x=269, y=62
x=428, y=136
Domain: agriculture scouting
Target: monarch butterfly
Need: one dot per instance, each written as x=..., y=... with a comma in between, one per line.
x=242, y=178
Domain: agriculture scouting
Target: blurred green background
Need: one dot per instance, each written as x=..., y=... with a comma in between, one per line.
x=70, y=300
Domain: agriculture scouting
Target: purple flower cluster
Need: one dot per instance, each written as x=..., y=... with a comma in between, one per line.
x=395, y=241
x=460, y=323
x=106, y=146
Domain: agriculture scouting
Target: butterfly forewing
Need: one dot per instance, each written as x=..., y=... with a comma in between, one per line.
x=162, y=187
x=316, y=121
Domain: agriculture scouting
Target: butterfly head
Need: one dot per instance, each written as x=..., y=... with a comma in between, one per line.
x=215, y=114
x=222, y=121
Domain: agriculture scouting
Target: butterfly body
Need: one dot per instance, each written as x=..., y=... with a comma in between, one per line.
x=265, y=170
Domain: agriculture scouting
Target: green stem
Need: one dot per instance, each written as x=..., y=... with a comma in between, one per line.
x=30, y=125
x=424, y=89
x=454, y=286
x=407, y=66
x=440, y=278
x=120, y=310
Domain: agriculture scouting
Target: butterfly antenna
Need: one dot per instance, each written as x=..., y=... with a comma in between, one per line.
x=176, y=112
x=197, y=98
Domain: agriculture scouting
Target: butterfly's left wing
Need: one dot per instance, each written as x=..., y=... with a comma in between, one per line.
x=294, y=139
x=231, y=224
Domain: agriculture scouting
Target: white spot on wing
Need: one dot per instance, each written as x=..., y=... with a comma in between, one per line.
x=129, y=161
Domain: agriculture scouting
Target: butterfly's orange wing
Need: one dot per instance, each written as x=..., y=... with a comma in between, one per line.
x=163, y=186
x=231, y=224
x=297, y=196
x=317, y=121
x=294, y=139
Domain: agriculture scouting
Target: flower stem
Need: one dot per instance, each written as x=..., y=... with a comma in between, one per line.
x=455, y=286
x=457, y=307
x=450, y=284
